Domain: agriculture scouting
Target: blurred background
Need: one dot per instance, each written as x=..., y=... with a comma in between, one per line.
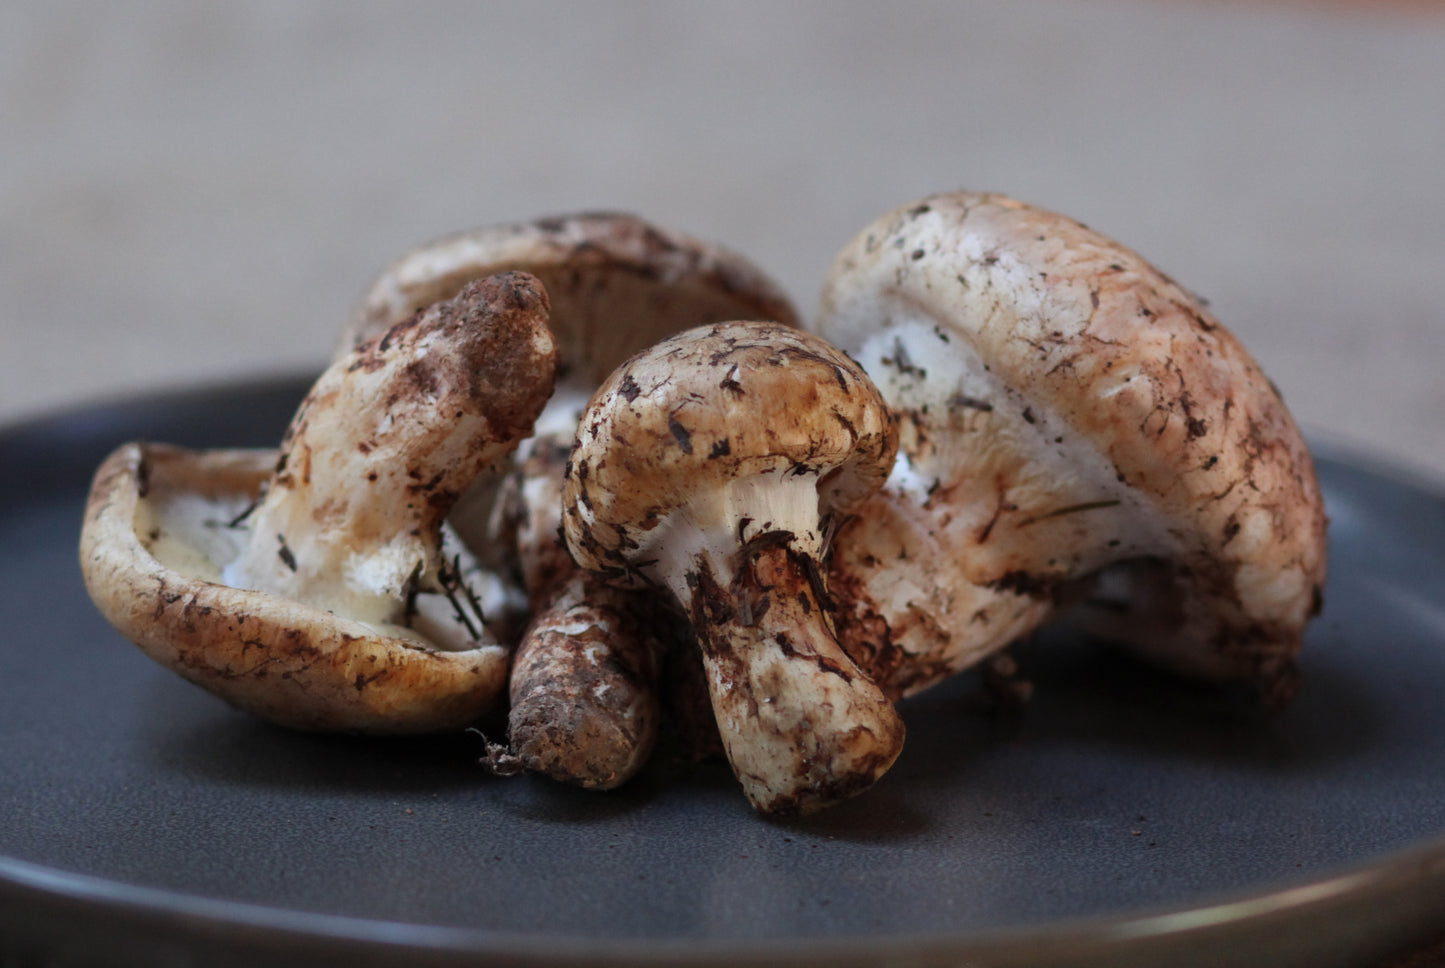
x=197, y=193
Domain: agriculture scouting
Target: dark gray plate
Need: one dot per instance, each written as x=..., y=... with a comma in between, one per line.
x=1121, y=818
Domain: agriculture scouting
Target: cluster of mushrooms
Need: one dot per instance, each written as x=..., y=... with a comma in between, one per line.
x=596, y=473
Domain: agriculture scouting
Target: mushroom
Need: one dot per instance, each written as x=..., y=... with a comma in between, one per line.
x=320, y=595
x=1069, y=414
x=584, y=684
x=714, y=465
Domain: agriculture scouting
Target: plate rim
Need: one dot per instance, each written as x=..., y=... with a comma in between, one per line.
x=1138, y=937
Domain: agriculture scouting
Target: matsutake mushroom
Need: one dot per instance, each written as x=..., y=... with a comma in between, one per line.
x=1068, y=413
x=714, y=465
x=316, y=588
x=584, y=686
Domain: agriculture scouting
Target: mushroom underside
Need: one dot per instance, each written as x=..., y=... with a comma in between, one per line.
x=162, y=523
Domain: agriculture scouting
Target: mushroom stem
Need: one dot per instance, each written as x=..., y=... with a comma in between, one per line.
x=801, y=725
x=584, y=704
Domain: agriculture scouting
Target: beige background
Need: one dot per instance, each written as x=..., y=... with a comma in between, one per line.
x=197, y=192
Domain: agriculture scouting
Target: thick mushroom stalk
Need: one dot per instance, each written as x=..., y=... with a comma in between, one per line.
x=584, y=689
x=585, y=708
x=320, y=596
x=1067, y=412
x=715, y=465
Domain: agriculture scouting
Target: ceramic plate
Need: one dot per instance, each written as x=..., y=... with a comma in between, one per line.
x=1121, y=818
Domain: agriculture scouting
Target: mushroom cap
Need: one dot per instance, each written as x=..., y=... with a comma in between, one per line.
x=155, y=524
x=294, y=583
x=1066, y=406
x=706, y=410
x=617, y=284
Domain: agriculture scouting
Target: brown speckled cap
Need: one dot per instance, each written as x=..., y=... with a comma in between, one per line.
x=309, y=586
x=1069, y=410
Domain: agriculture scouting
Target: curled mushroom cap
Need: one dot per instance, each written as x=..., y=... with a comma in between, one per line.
x=312, y=588
x=584, y=703
x=715, y=464
x=1067, y=411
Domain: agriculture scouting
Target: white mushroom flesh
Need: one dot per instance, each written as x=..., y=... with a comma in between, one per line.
x=1065, y=407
